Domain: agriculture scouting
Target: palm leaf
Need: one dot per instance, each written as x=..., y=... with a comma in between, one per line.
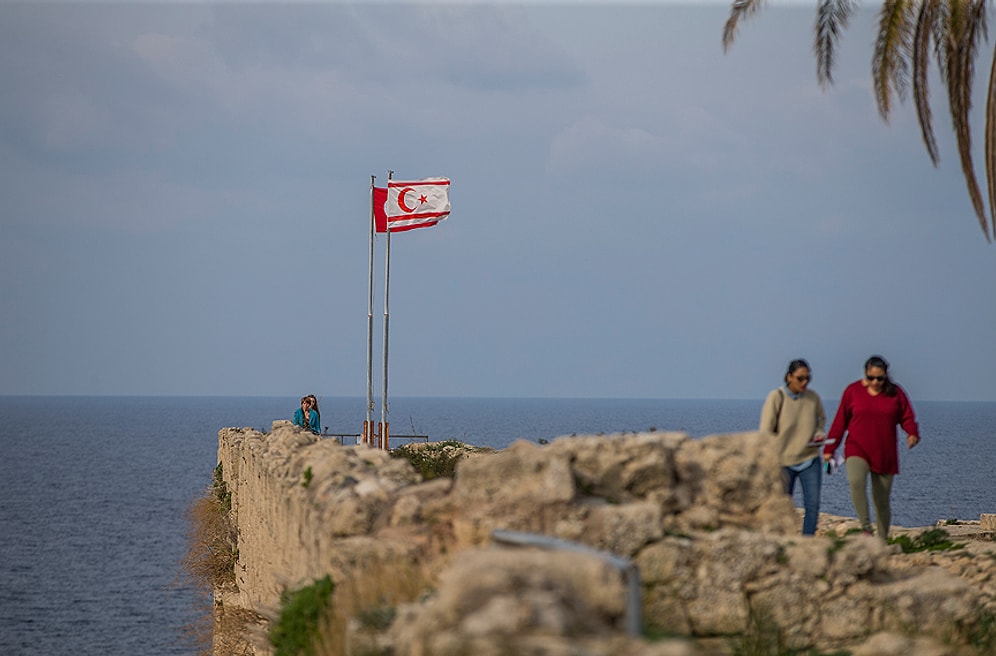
x=990, y=138
x=962, y=38
x=890, y=60
x=939, y=34
x=907, y=31
x=741, y=9
x=920, y=58
x=831, y=20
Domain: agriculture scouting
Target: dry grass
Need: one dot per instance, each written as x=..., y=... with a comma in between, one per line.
x=232, y=632
x=371, y=598
x=209, y=562
x=211, y=546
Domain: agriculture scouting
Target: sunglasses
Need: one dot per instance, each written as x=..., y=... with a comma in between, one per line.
x=879, y=379
x=803, y=379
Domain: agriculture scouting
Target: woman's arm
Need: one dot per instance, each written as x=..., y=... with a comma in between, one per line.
x=769, y=412
x=821, y=417
x=907, y=418
x=840, y=422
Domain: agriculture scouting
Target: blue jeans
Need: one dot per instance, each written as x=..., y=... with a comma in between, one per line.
x=810, y=478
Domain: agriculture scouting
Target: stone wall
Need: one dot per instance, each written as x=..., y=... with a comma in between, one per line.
x=715, y=540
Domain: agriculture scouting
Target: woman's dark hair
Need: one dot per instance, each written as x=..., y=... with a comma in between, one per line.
x=879, y=362
x=314, y=405
x=795, y=366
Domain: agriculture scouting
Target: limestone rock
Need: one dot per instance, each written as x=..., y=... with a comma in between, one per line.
x=715, y=540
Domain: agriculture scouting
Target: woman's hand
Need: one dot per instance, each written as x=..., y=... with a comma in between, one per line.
x=912, y=440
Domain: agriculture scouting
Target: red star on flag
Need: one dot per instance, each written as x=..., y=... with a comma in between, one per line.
x=393, y=208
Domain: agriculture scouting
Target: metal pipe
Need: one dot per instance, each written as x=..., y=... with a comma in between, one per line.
x=370, y=316
x=387, y=289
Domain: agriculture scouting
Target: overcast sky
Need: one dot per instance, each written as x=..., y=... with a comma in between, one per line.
x=185, y=205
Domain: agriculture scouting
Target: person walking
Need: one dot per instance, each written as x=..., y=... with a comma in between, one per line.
x=869, y=411
x=794, y=414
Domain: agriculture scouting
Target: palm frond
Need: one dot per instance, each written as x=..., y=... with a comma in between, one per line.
x=962, y=39
x=831, y=20
x=739, y=10
x=890, y=60
x=907, y=31
x=939, y=27
x=990, y=138
x=920, y=59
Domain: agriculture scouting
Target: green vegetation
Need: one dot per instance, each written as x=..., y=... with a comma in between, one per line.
x=935, y=539
x=221, y=491
x=296, y=631
x=371, y=596
x=838, y=541
x=436, y=460
x=833, y=534
x=586, y=487
x=378, y=618
x=982, y=635
x=764, y=638
x=307, y=478
x=652, y=632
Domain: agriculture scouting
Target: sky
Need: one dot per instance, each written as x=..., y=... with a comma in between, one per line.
x=635, y=213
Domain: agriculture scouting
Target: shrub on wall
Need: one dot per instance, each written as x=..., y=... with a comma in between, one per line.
x=296, y=631
x=438, y=459
x=209, y=561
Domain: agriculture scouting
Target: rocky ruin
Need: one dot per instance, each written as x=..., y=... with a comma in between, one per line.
x=715, y=543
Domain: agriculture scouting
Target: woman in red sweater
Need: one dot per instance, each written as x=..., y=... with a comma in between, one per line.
x=869, y=411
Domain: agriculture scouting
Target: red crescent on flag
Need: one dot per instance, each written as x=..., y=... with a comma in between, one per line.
x=401, y=200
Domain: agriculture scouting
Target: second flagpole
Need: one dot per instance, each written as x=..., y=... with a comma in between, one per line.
x=385, y=426
x=368, y=423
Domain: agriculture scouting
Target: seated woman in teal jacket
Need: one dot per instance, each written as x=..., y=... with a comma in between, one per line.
x=307, y=415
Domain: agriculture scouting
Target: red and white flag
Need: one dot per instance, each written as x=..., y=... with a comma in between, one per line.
x=380, y=216
x=411, y=204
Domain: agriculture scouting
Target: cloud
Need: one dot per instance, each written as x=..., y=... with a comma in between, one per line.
x=590, y=146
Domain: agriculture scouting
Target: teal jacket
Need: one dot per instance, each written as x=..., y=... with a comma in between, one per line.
x=312, y=423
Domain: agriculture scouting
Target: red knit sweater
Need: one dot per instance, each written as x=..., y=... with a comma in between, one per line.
x=870, y=423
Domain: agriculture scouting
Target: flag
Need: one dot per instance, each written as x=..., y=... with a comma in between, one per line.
x=380, y=216
x=414, y=203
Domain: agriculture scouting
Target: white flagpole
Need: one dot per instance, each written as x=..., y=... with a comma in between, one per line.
x=368, y=424
x=387, y=287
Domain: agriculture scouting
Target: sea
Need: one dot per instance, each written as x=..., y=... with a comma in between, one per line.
x=95, y=491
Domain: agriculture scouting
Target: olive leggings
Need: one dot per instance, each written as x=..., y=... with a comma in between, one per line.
x=881, y=484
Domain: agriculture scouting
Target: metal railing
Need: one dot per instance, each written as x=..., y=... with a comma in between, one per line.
x=354, y=438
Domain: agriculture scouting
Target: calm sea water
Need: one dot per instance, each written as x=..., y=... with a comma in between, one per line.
x=94, y=491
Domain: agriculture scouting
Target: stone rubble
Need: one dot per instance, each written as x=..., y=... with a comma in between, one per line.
x=715, y=540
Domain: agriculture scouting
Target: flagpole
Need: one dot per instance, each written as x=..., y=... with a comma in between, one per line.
x=387, y=287
x=368, y=423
